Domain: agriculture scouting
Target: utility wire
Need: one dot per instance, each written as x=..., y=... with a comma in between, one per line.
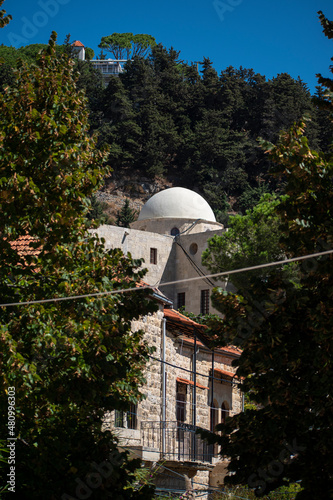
x=195, y=266
x=192, y=372
x=187, y=280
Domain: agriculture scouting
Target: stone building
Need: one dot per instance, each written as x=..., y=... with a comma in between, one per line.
x=170, y=235
x=189, y=386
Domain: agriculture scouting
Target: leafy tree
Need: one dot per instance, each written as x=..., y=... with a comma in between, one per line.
x=251, y=239
x=96, y=211
x=70, y=361
x=126, y=215
x=142, y=44
x=251, y=196
x=325, y=81
x=120, y=129
x=127, y=45
x=6, y=76
x=284, y=328
x=4, y=17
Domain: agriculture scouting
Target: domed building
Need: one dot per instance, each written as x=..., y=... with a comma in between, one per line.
x=188, y=385
x=176, y=210
x=171, y=234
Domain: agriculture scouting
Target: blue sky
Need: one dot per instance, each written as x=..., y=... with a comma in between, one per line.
x=269, y=36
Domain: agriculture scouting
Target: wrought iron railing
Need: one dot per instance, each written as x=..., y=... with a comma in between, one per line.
x=176, y=441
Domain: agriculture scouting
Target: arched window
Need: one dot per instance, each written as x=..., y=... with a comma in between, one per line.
x=225, y=411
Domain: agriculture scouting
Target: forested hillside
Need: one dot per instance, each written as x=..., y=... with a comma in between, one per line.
x=166, y=118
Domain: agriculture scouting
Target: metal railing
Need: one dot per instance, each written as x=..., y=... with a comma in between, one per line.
x=179, y=440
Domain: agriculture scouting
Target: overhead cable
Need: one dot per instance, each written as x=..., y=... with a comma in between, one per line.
x=187, y=280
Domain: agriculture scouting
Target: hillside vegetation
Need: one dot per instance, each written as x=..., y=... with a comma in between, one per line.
x=164, y=118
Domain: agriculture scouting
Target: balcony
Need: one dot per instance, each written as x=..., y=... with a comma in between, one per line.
x=176, y=441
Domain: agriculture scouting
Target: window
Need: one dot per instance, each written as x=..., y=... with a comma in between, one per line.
x=193, y=248
x=174, y=231
x=204, y=302
x=153, y=255
x=119, y=418
x=126, y=420
x=180, y=300
x=132, y=417
x=214, y=417
x=181, y=402
x=225, y=411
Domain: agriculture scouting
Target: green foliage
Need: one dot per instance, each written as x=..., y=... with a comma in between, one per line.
x=96, y=211
x=284, y=329
x=251, y=239
x=127, y=45
x=70, y=361
x=126, y=215
x=90, y=54
x=4, y=17
x=234, y=493
x=251, y=196
x=162, y=116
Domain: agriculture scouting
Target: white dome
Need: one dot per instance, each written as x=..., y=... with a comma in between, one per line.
x=177, y=203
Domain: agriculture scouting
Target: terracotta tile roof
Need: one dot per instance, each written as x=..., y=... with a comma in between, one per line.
x=225, y=373
x=227, y=350
x=183, y=324
x=190, y=382
x=22, y=245
x=76, y=43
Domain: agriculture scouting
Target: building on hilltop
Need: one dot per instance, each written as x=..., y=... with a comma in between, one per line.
x=170, y=234
x=107, y=67
x=79, y=50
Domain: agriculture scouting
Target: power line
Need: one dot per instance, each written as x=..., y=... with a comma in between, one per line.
x=149, y=287
x=192, y=372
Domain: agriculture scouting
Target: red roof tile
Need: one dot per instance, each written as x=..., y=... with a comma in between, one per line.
x=225, y=373
x=177, y=316
x=190, y=382
x=22, y=245
x=187, y=326
x=77, y=44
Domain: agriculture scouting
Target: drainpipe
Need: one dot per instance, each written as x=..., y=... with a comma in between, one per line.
x=212, y=398
x=194, y=414
x=163, y=386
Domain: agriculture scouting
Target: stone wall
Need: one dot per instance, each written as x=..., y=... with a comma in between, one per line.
x=176, y=259
x=179, y=357
x=138, y=244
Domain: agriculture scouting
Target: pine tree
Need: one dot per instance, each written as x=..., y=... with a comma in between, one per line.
x=126, y=215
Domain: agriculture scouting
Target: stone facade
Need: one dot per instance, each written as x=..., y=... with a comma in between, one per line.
x=170, y=258
x=188, y=386
x=168, y=437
